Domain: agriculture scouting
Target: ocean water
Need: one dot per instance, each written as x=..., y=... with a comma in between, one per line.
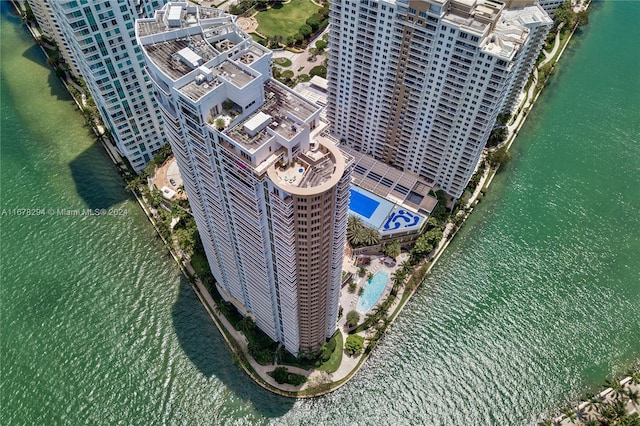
x=535, y=302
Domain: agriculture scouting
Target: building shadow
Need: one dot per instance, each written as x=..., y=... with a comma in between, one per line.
x=93, y=174
x=203, y=344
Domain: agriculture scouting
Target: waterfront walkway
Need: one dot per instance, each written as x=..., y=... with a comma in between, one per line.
x=314, y=377
x=556, y=45
x=589, y=409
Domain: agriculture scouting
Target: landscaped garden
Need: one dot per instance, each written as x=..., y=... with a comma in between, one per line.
x=285, y=19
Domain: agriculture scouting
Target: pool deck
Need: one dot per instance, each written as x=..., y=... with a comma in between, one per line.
x=349, y=300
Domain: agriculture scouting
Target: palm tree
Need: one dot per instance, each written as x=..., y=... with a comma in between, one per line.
x=370, y=236
x=245, y=325
x=223, y=307
x=581, y=414
x=593, y=403
x=633, y=396
x=353, y=317
x=616, y=388
x=354, y=230
x=570, y=414
x=399, y=275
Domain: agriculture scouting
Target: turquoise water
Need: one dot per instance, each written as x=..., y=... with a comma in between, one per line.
x=534, y=303
x=372, y=291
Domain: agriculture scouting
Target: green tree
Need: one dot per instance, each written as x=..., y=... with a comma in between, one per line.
x=633, y=396
x=245, y=325
x=287, y=75
x=280, y=374
x=313, y=22
x=499, y=156
x=354, y=230
x=305, y=30
x=503, y=118
x=223, y=307
x=392, y=249
x=497, y=136
x=220, y=123
x=564, y=13
x=321, y=45
x=319, y=70
x=354, y=344
x=421, y=249
x=155, y=197
x=583, y=17
x=353, y=317
x=370, y=236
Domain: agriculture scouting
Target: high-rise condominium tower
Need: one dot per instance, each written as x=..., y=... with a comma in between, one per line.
x=419, y=83
x=269, y=196
x=97, y=39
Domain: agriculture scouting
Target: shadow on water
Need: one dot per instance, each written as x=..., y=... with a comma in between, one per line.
x=205, y=347
x=94, y=177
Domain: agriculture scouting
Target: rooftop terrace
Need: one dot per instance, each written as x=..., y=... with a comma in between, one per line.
x=279, y=104
x=310, y=172
x=403, y=188
x=180, y=56
x=186, y=18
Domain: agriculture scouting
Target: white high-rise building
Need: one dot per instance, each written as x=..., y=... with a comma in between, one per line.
x=551, y=5
x=530, y=15
x=100, y=37
x=419, y=83
x=270, y=195
x=51, y=29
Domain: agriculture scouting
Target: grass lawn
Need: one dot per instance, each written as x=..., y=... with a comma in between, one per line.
x=334, y=361
x=256, y=37
x=286, y=19
x=283, y=62
x=199, y=263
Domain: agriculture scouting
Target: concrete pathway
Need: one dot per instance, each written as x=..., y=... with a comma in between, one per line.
x=300, y=63
x=556, y=45
x=314, y=377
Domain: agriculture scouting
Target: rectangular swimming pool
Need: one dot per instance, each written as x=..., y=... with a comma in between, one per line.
x=362, y=204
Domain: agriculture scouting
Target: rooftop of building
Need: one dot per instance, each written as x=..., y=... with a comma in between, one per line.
x=182, y=38
x=311, y=172
x=179, y=15
x=526, y=15
x=280, y=106
x=403, y=188
x=213, y=77
x=474, y=15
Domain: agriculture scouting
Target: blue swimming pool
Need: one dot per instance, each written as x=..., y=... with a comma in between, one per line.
x=372, y=291
x=362, y=204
